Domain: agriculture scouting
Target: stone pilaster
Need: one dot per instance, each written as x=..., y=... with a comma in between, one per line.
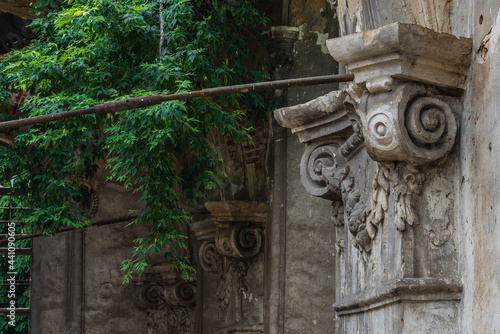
x=380, y=151
x=231, y=241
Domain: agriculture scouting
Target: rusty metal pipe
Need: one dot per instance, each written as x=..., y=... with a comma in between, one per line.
x=72, y=228
x=147, y=101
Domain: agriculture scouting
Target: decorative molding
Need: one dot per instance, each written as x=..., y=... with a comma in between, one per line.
x=399, y=290
x=317, y=118
x=203, y=229
x=237, y=211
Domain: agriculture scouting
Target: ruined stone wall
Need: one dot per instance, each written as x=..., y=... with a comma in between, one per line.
x=76, y=278
x=300, y=269
x=477, y=175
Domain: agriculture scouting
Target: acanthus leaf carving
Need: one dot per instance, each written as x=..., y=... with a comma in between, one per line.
x=409, y=184
x=231, y=281
x=379, y=199
x=402, y=108
x=354, y=211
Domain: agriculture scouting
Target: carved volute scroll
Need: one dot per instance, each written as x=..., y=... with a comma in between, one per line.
x=241, y=240
x=210, y=258
x=161, y=285
x=320, y=169
x=239, y=227
x=407, y=124
x=230, y=243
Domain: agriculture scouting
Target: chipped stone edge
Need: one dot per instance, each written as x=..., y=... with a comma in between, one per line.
x=400, y=290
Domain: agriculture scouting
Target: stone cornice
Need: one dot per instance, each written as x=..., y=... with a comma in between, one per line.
x=317, y=118
x=399, y=290
x=403, y=51
x=237, y=211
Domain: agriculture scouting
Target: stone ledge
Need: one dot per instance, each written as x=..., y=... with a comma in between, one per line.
x=237, y=211
x=402, y=289
x=405, y=51
x=241, y=328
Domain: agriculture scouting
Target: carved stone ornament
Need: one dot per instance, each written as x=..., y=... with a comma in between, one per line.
x=281, y=58
x=210, y=258
x=239, y=231
x=168, y=299
x=229, y=239
x=402, y=107
x=239, y=240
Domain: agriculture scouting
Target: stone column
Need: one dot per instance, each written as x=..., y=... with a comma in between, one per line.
x=380, y=151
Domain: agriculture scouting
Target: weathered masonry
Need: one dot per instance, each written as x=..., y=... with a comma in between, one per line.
x=375, y=213
x=372, y=149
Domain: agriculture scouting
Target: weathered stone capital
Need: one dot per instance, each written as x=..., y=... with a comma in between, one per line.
x=239, y=231
x=283, y=38
x=162, y=286
x=408, y=77
x=403, y=108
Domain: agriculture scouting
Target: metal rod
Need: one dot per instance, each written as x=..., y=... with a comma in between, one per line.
x=17, y=251
x=72, y=228
x=147, y=101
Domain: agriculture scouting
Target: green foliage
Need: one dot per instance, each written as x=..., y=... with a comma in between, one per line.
x=21, y=264
x=89, y=52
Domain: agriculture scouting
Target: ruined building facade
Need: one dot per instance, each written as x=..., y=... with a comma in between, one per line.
x=375, y=213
